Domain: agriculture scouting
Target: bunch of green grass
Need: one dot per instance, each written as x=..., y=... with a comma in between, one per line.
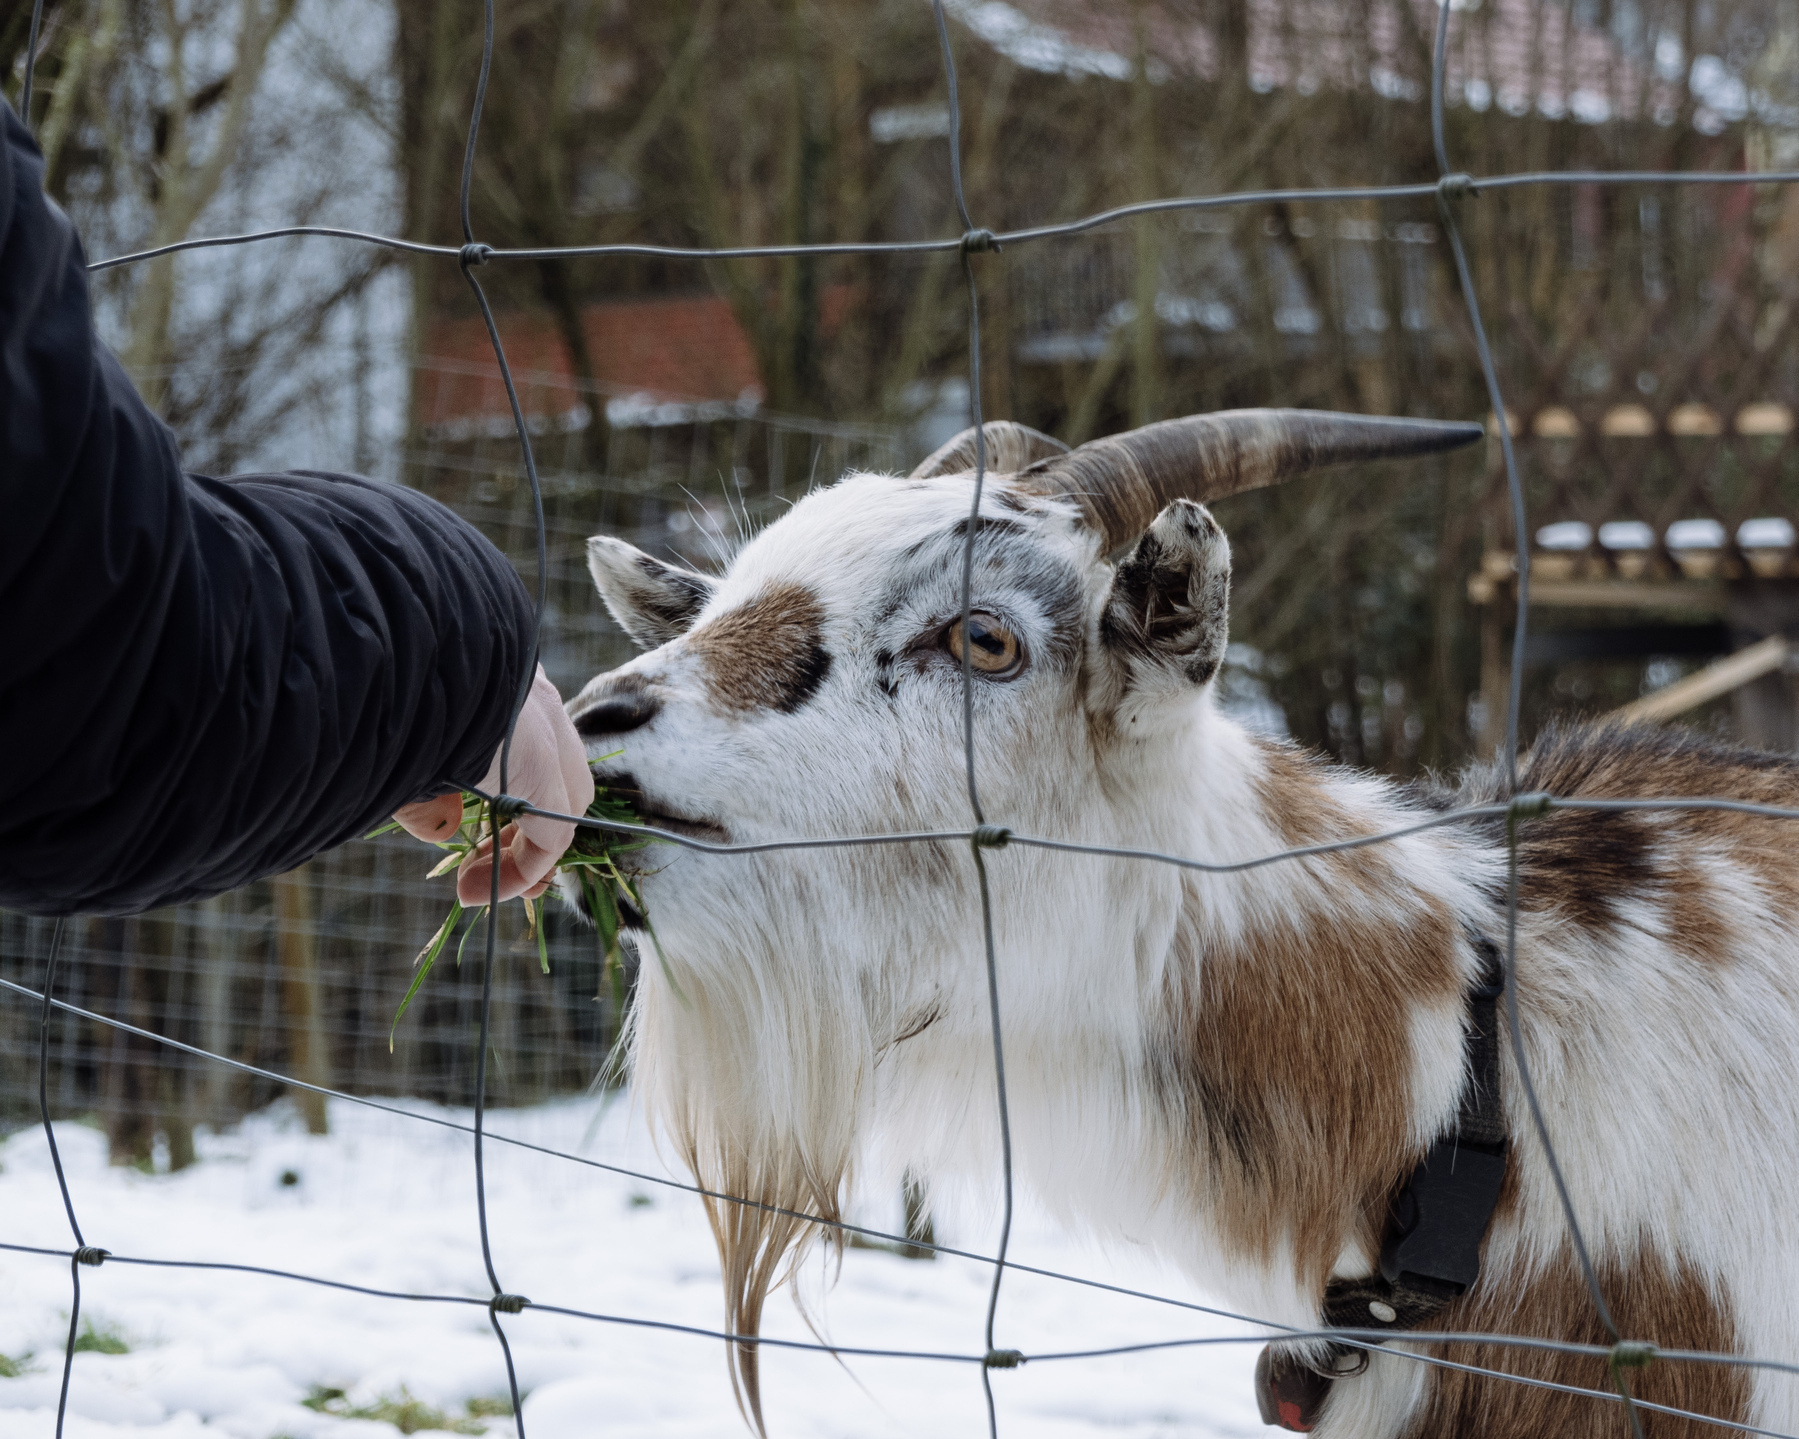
x=593, y=861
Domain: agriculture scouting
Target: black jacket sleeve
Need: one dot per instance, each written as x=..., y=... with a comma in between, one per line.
x=207, y=681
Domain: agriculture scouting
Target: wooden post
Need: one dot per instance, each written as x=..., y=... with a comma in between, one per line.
x=297, y=949
x=1146, y=336
x=1495, y=671
x=216, y=942
x=174, y=985
x=1766, y=710
x=128, y=1073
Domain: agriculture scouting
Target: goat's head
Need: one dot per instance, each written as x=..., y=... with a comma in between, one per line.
x=816, y=689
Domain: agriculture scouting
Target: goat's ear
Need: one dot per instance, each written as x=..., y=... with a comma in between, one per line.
x=1167, y=619
x=653, y=602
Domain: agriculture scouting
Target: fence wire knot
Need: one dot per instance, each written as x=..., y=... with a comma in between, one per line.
x=508, y=807
x=1632, y=1354
x=1003, y=1359
x=92, y=1255
x=991, y=836
x=508, y=1303
x=979, y=241
x=474, y=253
x=1528, y=806
x=1457, y=187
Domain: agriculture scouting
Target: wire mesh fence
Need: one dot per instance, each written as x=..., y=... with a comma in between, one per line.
x=296, y=975
x=293, y=947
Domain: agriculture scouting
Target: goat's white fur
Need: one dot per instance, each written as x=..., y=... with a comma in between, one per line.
x=1670, y=1084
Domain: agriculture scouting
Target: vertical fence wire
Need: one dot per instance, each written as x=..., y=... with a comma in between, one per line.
x=973, y=239
x=82, y=1251
x=473, y=254
x=1450, y=191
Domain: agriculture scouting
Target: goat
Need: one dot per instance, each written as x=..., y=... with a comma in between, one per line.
x=1243, y=1071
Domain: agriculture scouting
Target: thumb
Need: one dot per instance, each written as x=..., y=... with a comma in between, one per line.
x=432, y=819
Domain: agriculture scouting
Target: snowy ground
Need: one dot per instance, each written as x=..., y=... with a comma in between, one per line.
x=388, y=1202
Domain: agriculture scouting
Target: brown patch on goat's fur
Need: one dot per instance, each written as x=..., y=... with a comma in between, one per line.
x=1293, y=788
x=768, y=653
x=1288, y=1049
x=1585, y=867
x=1288, y=1054
x=1652, y=1298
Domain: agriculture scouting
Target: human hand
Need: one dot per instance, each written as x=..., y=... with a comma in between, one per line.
x=548, y=769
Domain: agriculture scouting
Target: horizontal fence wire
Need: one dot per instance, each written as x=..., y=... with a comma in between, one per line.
x=1525, y=806
x=1456, y=185
x=1347, y=1334
x=1370, y=1340
x=1449, y=190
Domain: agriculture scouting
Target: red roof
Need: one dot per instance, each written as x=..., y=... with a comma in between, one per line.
x=682, y=349
x=685, y=348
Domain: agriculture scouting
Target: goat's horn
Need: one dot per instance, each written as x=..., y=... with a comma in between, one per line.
x=1123, y=481
x=1010, y=448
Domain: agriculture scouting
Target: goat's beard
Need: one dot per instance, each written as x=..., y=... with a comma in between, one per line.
x=757, y=1071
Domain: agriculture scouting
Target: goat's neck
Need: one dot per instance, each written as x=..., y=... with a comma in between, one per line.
x=1207, y=788
x=1297, y=1031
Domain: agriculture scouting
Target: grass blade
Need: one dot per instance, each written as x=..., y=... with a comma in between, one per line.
x=426, y=958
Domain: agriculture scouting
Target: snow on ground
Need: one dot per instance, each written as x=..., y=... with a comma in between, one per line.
x=388, y=1202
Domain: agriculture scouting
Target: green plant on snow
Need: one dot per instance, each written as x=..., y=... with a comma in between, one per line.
x=95, y=1339
x=403, y=1411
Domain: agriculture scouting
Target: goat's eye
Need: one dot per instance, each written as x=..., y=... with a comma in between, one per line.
x=992, y=648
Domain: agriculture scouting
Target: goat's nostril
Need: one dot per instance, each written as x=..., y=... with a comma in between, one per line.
x=618, y=714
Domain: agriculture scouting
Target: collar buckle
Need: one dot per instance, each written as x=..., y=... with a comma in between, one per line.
x=1441, y=1216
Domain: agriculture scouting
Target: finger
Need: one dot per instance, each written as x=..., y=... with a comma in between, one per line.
x=548, y=837
x=432, y=819
x=523, y=865
x=474, y=876
x=526, y=863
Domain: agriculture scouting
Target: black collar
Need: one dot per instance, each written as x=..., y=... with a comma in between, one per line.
x=1431, y=1252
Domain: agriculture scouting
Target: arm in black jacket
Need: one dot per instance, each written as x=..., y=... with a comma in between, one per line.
x=207, y=681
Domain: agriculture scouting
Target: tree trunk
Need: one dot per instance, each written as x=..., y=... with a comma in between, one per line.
x=1146, y=359
x=1765, y=710
x=216, y=941
x=297, y=952
x=128, y=1079
x=559, y=297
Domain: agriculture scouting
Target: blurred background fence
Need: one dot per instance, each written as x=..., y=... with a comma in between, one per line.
x=1647, y=336
x=302, y=975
